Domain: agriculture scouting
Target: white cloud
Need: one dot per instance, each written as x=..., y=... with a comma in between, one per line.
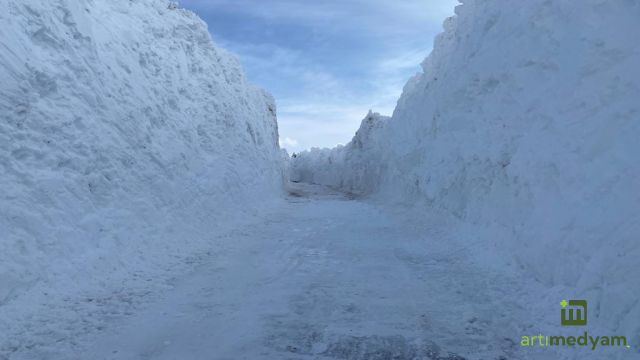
x=288, y=143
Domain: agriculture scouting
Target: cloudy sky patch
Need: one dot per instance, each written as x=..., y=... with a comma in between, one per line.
x=326, y=62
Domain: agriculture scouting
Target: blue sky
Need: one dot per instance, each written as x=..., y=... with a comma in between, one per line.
x=326, y=62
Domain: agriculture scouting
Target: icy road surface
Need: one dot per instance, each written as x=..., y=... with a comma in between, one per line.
x=324, y=277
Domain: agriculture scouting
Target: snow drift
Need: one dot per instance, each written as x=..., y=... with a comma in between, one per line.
x=126, y=136
x=525, y=124
x=352, y=168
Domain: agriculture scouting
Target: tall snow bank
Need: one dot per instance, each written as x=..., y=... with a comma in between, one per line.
x=126, y=136
x=526, y=123
x=352, y=167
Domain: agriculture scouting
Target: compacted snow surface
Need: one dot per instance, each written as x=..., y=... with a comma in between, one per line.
x=322, y=277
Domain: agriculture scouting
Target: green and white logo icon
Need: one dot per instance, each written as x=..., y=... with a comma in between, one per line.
x=573, y=313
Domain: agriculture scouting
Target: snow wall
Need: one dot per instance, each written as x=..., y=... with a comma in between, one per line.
x=352, y=168
x=525, y=123
x=126, y=137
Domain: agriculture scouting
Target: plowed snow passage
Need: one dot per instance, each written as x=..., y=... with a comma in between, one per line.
x=325, y=277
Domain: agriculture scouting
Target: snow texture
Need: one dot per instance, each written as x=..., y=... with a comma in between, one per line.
x=127, y=140
x=524, y=125
x=351, y=168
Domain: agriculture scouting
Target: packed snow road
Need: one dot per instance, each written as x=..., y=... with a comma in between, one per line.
x=324, y=277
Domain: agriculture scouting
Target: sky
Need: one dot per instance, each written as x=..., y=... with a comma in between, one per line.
x=326, y=62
